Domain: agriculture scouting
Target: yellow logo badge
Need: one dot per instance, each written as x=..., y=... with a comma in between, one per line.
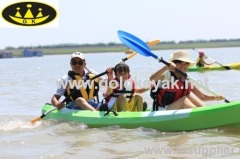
x=29, y=13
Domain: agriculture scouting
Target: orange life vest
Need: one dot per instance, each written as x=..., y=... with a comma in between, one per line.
x=167, y=96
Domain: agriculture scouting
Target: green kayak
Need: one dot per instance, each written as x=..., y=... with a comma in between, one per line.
x=235, y=66
x=170, y=120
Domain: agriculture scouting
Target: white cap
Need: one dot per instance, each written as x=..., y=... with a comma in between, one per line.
x=79, y=55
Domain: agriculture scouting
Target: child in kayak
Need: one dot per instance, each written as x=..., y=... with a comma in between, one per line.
x=174, y=91
x=200, y=60
x=122, y=94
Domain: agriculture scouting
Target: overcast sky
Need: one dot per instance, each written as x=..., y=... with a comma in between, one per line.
x=94, y=21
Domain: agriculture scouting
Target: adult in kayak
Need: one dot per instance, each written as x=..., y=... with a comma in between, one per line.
x=200, y=60
x=122, y=94
x=84, y=96
x=173, y=90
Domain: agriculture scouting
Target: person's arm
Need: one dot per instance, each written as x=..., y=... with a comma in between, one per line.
x=205, y=97
x=56, y=103
x=110, y=77
x=62, y=83
x=211, y=63
x=141, y=90
x=159, y=75
x=203, y=62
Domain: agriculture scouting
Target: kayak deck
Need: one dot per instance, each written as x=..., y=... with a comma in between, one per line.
x=235, y=66
x=170, y=120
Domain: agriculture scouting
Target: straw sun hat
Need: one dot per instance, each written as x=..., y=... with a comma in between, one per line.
x=182, y=56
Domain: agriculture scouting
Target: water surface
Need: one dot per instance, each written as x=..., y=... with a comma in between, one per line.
x=27, y=83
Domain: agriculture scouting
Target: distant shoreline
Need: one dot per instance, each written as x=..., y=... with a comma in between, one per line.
x=122, y=48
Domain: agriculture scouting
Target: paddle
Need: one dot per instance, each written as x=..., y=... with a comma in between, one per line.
x=226, y=67
x=151, y=43
x=139, y=46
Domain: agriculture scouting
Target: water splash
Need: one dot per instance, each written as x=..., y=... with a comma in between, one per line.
x=16, y=124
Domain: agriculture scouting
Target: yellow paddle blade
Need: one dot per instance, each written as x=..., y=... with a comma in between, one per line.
x=154, y=42
x=128, y=51
x=150, y=43
x=35, y=120
x=43, y=115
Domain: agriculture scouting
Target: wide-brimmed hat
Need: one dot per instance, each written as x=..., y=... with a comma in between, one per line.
x=79, y=55
x=182, y=56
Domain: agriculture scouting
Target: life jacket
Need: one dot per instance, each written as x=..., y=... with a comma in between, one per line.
x=198, y=63
x=166, y=96
x=129, y=91
x=85, y=92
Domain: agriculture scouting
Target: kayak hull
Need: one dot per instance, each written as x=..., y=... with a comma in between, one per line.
x=235, y=66
x=170, y=120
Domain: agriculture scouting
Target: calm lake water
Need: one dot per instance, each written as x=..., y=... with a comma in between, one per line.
x=27, y=83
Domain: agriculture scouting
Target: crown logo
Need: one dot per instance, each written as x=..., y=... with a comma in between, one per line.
x=28, y=18
x=29, y=13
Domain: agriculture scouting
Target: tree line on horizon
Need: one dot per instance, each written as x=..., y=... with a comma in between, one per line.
x=113, y=44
